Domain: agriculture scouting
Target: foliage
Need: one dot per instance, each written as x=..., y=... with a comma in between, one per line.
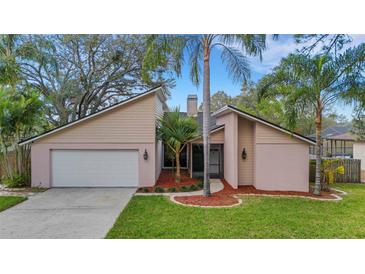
x=20, y=118
x=9, y=68
x=193, y=188
x=172, y=189
x=159, y=189
x=256, y=218
x=329, y=168
x=322, y=43
x=80, y=74
x=358, y=124
x=17, y=180
x=184, y=189
x=218, y=100
x=175, y=130
x=146, y=190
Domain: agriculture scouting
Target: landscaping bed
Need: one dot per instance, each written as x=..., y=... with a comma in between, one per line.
x=173, y=187
x=227, y=196
x=19, y=191
x=167, y=183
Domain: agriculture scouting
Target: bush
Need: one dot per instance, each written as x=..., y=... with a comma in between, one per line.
x=184, y=188
x=172, y=189
x=159, y=190
x=193, y=187
x=145, y=190
x=18, y=180
x=200, y=184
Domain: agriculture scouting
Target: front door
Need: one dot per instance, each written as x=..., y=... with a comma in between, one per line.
x=216, y=160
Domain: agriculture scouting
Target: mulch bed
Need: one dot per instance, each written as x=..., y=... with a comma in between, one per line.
x=167, y=180
x=214, y=200
x=225, y=197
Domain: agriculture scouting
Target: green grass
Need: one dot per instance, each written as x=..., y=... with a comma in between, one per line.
x=257, y=217
x=9, y=201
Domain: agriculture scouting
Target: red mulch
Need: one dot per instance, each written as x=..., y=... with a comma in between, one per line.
x=167, y=180
x=225, y=196
x=214, y=200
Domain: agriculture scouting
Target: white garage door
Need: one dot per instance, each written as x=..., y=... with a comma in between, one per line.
x=94, y=168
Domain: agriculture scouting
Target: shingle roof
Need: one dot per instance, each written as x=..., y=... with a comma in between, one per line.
x=335, y=132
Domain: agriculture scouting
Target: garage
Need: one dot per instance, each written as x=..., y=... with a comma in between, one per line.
x=94, y=168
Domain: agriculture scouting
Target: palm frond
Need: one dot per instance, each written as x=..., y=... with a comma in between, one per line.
x=237, y=63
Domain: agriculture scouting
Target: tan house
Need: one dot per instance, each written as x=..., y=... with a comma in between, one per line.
x=117, y=147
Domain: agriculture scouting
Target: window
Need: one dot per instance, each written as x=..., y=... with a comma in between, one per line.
x=167, y=162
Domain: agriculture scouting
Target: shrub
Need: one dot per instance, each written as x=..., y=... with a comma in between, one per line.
x=159, y=190
x=172, y=189
x=18, y=180
x=184, y=189
x=145, y=190
x=200, y=184
x=193, y=187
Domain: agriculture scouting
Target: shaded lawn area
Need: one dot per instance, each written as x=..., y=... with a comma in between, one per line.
x=257, y=217
x=9, y=201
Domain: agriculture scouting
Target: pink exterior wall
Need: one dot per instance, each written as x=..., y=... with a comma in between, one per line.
x=282, y=167
x=41, y=161
x=246, y=140
x=216, y=137
x=230, y=122
x=275, y=160
x=131, y=126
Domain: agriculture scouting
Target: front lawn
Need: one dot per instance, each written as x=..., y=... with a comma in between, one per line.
x=257, y=217
x=9, y=201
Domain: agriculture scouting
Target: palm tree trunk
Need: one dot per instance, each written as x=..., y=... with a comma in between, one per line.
x=317, y=185
x=206, y=118
x=178, y=175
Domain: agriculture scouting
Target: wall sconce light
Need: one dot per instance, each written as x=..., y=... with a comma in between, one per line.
x=145, y=155
x=244, y=154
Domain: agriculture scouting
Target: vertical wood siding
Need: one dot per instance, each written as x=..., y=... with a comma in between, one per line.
x=246, y=140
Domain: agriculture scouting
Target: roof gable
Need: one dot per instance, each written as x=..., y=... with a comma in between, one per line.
x=88, y=117
x=251, y=117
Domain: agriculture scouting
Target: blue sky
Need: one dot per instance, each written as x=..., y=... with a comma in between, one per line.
x=220, y=79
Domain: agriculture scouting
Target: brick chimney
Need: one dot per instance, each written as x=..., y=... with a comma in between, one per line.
x=192, y=105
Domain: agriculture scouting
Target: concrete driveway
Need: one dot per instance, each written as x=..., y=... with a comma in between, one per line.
x=67, y=213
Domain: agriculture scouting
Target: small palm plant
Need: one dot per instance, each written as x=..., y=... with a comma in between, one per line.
x=330, y=168
x=175, y=130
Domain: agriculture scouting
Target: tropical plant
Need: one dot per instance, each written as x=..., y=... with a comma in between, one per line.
x=313, y=83
x=170, y=50
x=175, y=130
x=329, y=169
x=20, y=117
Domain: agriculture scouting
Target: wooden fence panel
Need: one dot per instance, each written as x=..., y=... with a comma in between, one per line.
x=352, y=171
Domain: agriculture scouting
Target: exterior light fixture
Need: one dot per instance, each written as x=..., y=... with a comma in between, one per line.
x=145, y=155
x=244, y=154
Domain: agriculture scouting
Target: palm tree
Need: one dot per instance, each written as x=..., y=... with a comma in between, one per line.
x=169, y=51
x=175, y=130
x=314, y=83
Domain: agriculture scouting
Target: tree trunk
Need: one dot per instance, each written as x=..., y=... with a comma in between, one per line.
x=206, y=118
x=317, y=185
x=178, y=175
